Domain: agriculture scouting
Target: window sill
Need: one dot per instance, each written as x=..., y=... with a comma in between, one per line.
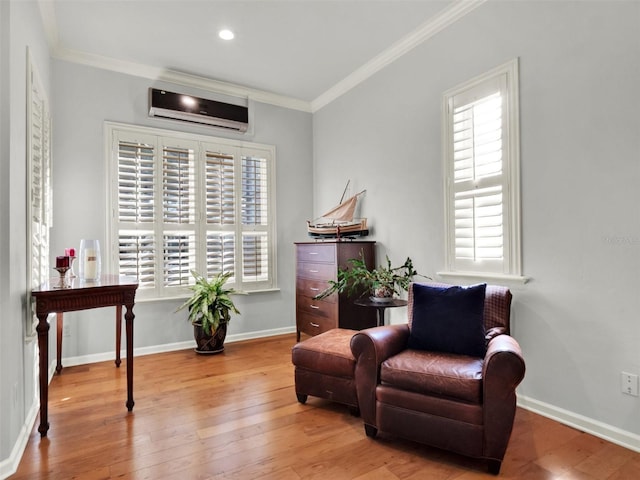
x=488, y=277
x=184, y=296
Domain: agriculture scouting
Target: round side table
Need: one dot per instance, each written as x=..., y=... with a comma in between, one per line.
x=381, y=306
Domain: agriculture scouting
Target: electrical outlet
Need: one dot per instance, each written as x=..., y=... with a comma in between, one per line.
x=66, y=330
x=629, y=383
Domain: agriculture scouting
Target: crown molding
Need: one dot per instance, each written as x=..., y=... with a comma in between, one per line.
x=50, y=26
x=180, y=78
x=427, y=30
x=430, y=28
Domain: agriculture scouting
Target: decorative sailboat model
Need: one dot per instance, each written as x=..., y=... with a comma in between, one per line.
x=339, y=222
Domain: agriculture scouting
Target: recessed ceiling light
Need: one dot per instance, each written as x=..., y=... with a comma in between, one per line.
x=226, y=34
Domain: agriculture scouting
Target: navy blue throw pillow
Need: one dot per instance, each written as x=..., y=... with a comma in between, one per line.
x=448, y=319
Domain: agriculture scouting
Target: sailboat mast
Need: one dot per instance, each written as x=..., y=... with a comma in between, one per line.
x=344, y=192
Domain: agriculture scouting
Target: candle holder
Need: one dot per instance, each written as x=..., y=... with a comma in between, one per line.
x=72, y=273
x=62, y=271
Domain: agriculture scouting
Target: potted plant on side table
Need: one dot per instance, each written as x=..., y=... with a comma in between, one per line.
x=210, y=307
x=381, y=283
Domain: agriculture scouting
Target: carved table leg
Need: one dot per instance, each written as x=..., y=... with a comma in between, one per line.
x=118, y=333
x=128, y=316
x=59, y=331
x=43, y=347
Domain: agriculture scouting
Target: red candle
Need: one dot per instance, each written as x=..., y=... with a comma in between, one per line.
x=72, y=252
x=62, y=261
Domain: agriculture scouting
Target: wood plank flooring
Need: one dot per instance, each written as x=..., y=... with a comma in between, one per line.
x=235, y=416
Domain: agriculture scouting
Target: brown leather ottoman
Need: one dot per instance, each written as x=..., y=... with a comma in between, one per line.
x=325, y=366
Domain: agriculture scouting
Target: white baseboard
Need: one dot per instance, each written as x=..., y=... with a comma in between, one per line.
x=594, y=427
x=169, y=347
x=9, y=466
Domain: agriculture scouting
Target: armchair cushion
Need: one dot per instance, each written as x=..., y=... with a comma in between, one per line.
x=448, y=319
x=444, y=375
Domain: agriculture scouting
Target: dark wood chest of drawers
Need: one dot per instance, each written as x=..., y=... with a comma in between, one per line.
x=316, y=264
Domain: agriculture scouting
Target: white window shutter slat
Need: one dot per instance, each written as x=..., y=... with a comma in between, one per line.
x=254, y=191
x=179, y=258
x=221, y=255
x=477, y=139
x=136, y=182
x=137, y=253
x=178, y=185
x=255, y=257
x=220, y=189
x=479, y=224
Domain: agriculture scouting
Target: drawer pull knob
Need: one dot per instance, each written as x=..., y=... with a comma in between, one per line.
x=314, y=324
x=314, y=271
x=313, y=253
x=315, y=307
x=313, y=289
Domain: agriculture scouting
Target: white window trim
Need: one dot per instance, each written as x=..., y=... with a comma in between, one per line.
x=512, y=270
x=112, y=224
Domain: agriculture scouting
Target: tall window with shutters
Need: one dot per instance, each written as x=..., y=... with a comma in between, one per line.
x=186, y=202
x=482, y=174
x=39, y=190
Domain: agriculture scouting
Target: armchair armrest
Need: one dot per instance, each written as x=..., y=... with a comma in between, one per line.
x=370, y=348
x=503, y=362
x=502, y=372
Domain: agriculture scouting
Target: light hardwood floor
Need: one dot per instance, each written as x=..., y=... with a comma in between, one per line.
x=235, y=416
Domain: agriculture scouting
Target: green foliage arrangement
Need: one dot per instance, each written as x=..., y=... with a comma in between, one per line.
x=384, y=281
x=211, y=303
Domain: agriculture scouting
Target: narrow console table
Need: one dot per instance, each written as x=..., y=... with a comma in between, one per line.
x=59, y=335
x=109, y=291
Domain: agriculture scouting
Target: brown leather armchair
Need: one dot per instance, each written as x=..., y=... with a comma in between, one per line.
x=456, y=402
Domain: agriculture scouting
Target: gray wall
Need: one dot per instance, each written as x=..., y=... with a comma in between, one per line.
x=577, y=319
x=20, y=27
x=84, y=98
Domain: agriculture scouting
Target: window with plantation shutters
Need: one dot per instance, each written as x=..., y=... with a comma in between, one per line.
x=186, y=202
x=39, y=191
x=482, y=174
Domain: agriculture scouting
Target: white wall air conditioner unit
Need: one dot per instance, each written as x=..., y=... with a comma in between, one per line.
x=198, y=110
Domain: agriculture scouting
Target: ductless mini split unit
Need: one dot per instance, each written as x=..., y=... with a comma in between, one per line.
x=198, y=110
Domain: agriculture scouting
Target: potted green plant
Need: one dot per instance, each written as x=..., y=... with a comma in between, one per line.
x=381, y=283
x=210, y=307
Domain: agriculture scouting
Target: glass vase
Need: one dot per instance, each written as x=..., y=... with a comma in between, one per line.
x=89, y=262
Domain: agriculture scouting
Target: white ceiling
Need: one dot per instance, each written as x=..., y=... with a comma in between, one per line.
x=296, y=49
